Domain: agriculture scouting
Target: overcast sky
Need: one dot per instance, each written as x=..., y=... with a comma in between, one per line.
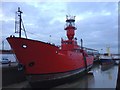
x=97, y=22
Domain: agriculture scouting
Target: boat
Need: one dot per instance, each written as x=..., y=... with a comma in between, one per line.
x=106, y=59
x=46, y=63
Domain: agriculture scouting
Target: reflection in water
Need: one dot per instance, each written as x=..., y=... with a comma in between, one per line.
x=106, y=67
x=83, y=82
x=100, y=79
x=106, y=78
x=110, y=75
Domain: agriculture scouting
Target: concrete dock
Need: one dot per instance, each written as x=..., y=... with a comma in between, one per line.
x=11, y=74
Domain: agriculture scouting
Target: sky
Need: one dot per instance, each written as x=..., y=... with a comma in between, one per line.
x=96, y=22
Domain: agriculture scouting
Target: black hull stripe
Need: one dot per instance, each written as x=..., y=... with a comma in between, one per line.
x=46, y=77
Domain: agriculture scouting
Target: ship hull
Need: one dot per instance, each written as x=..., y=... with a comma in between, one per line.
x=44, y=62
x=52, y=80
x=106, y=61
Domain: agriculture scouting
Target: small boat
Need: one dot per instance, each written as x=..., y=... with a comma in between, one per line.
x=45, y=63
x=106, y=59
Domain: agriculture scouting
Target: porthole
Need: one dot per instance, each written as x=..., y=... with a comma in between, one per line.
x=31, y=64
x=24, y=46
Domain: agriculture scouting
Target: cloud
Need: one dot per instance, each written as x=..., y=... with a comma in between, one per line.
x=96, y=21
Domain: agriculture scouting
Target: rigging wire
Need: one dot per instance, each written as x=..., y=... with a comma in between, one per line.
x=33, y=34
x=24, y=29
x=15, y=22
x=25, y=34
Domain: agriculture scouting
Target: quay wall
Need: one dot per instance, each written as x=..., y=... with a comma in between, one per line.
x=11, y=75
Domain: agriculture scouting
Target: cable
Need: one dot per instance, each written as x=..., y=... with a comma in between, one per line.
x=33, y=34
x=24, y=29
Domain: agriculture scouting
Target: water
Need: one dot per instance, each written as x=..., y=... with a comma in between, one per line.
x=99, y=79
x=107, y=78
x=8, y=56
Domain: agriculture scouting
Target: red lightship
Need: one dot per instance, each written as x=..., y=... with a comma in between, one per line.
x=44, y=62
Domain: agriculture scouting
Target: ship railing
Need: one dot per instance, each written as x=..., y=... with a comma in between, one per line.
x=73, y=25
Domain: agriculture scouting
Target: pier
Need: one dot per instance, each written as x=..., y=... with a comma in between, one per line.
x=6, y=52
x=11, y=74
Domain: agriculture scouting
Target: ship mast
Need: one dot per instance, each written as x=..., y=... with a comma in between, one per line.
x=19, y=26
x=19, y=12
x=70, y=26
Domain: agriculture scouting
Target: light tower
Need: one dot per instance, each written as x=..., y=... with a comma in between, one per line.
x=70, y=26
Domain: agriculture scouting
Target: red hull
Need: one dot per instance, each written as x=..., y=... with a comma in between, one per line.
x=46, y=63
x=43, y=58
